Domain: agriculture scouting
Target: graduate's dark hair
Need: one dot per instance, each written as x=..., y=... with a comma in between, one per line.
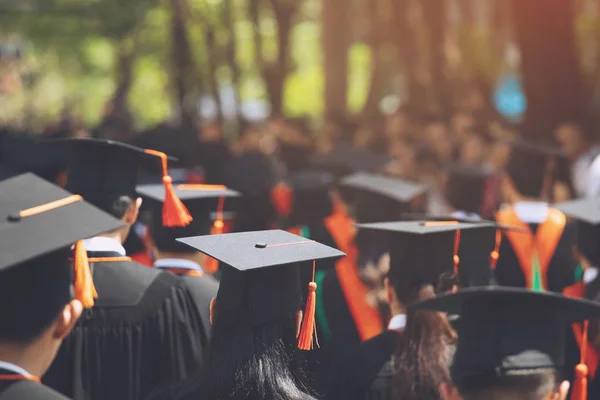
x=422, y=356
x=252, y=363
x=32, y=295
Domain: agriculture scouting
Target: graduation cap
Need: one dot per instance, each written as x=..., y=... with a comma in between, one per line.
x=345, y=159
x=381, y=198
x=261, y=280
x=465, y=187
x=427, y=252
x=40, y=224
x=518, y=329
x=102, y=171
x=304, y=196
x=201, y=200
x=479, y=249
x=587, y=214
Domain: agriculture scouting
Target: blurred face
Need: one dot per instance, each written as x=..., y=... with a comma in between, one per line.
x=462, y=124
x=363, y=137
x=499, y=155
x=571, y=140
x=472, y=151
x=396, y=125
x=211, y=133
x=436, y=135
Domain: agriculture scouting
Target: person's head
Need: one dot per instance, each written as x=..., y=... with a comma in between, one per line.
x=465, y=187
x=397, y=124
x=528, y=385
x=572, y=139
x=437, y=137
x=43, y=291
x=472, y=150
x=529, y=173
x=40, y=314
x=461, y=124
x=210, y=132
x=257, y=314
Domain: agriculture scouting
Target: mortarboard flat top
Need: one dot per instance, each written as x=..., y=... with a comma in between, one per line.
x=466, y=219
x=394, y=188
x=424, y=227
x=585, y=210
x=519, y=329
x=349, y=158
x=186, y=193
x=536, y=148
x=261, y=249
x=26, y=238
x=309, y=180
x=469, y=171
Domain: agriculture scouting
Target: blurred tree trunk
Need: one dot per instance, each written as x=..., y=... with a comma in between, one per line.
x=376, y=41
x=183, y=65
x=274, y=72
x=213, y=62
x=125, y=60
x=124, y=71
x=408, y=53
x=434, y=12
x=231, y=53
x=552, y=77
x=336, y=43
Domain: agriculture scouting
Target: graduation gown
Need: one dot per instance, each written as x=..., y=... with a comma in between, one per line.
x=366, y=373
x=145, y=331
x=203, y=288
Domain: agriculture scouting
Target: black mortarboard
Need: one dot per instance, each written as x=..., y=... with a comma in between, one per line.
x=201, y=201
x=587, y=214
x=261, y=275
x=399, y=190
x=478, y=250
x=102, y=171
x=505, y=331
x=40, y=223
x=465, y=187
x=425, y=252
x=345, y=159
x=304, y=196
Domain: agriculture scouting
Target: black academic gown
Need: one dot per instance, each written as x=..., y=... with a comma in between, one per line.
x=144, y=332
x=26, y=390
x=203, y=288
x=365, y=374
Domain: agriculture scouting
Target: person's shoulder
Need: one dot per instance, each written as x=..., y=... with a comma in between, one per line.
x=31, y=391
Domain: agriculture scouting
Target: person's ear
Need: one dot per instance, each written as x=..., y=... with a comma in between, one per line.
x=67, y=319
x=213, y=302
x=133, y=211
x=299, y=316
x=563, y=391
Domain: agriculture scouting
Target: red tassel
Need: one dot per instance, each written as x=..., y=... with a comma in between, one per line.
x=456, y=258
x=579, y=388
x=495, y=254
x=175, y=214
x=309, y=328
x=84, y=288
x=282, y=197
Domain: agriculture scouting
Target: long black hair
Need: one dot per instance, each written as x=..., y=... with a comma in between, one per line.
x=250, y=363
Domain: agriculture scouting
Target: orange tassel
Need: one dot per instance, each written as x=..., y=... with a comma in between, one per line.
x=456, y=258
x=495, y=254
x=579, y=389
x=212, y=265
x=84, y=288
x=175, y=214
x=309, y=328
x=282, y=197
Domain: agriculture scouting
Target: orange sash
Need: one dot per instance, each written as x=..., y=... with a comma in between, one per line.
x=366, y=317
x=534, y=252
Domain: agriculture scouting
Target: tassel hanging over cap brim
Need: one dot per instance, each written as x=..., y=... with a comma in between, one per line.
x=175, y=214
x=84, y=288
x=308, y=332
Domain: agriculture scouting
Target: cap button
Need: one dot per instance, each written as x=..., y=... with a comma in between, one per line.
x=260, y=245
x=15, y=217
